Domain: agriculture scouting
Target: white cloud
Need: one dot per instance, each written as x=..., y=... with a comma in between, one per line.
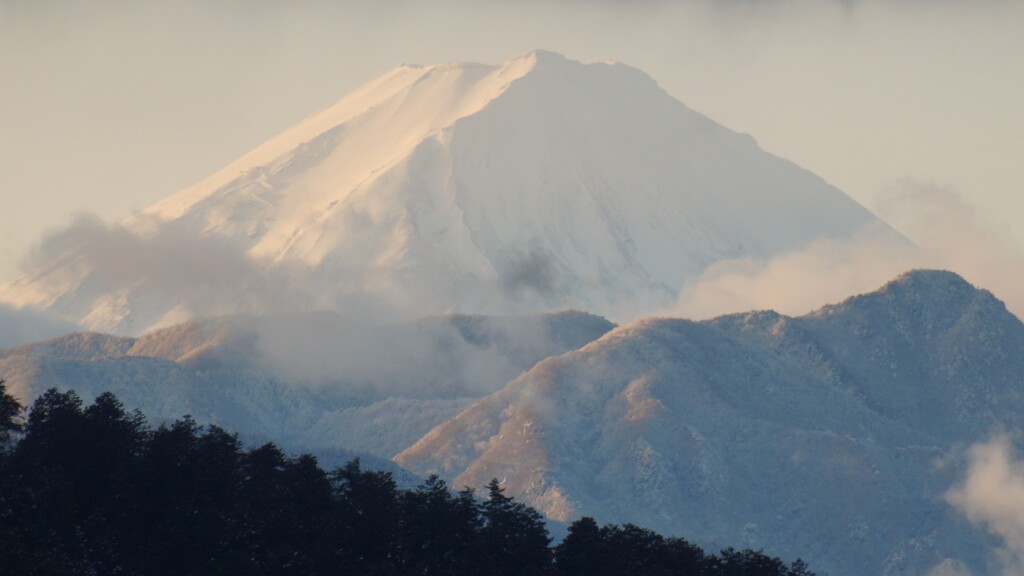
x=797, y=282
x=992, y=495
x=207, y=274
x=946, y=233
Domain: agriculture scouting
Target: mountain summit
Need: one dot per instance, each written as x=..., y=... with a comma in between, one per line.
x=538, y=183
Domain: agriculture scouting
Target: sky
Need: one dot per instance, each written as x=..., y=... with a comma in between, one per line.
x=107, y=106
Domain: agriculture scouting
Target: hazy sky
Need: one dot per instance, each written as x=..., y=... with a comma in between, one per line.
x=108, y=106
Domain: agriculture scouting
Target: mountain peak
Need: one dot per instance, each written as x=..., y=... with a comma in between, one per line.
x=539, y=184
x=569, y=70
x=933, y=290
x=929, y=279
x=531, y=59
x=547, y=58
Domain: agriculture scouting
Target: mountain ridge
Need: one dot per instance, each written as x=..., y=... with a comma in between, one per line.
x=312, y=382
x=772, y=431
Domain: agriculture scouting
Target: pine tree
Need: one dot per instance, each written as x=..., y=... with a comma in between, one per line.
x=438, y=530
x=580, y=552
x=514, y=540
x=368, y=503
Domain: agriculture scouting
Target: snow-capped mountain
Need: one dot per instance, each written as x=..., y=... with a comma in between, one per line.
x=537, y=184
x=829, y=436
x=320, y=383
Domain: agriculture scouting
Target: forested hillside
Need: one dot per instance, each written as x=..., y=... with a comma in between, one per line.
x=94, y=490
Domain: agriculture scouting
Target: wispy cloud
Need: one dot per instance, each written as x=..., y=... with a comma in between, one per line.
x=797, y=282
x=992, y=495
x=169, y=267
x=945, y=232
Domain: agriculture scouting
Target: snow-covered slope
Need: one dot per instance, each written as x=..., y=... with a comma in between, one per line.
x=827, y=436
x=539, y=183
x=311, y=382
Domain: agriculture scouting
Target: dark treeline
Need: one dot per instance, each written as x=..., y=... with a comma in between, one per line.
x=94, y=490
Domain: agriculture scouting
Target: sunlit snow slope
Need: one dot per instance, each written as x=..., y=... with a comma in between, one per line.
x=539, y=183
x=831, y=436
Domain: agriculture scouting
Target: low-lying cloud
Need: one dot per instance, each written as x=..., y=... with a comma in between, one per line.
x=171, y=273
x=943, y=231
x=206, y=274
x=168, y=272
x=992, y=495
x=159, y=273
x=437, y=357
x=797, y=282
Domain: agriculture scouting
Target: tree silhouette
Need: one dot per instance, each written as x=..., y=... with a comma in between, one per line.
x=438, y=530
x=95, y=491
x=514, y=540
x=369, y=513
x=10, y=417
x=580, y=552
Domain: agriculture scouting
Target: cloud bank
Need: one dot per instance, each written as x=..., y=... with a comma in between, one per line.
x=202, y=274
x=944, y=232
x=199, y=274
x=797, y=282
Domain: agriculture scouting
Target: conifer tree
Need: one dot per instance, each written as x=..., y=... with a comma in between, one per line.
x=579, y=553
x=10, y=417
x=514, y=540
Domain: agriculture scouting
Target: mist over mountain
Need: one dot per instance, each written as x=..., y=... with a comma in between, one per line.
x=834, y=433
x=538, y=184
x=319, y=383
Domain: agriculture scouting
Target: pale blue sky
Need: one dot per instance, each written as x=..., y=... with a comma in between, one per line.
x=109, y=106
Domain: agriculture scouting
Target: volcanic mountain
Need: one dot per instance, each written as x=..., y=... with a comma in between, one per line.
x=537, y=184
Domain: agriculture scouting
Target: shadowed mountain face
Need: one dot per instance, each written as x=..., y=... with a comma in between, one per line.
x=830, y=436
x=318, y=383
x=537, y=184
